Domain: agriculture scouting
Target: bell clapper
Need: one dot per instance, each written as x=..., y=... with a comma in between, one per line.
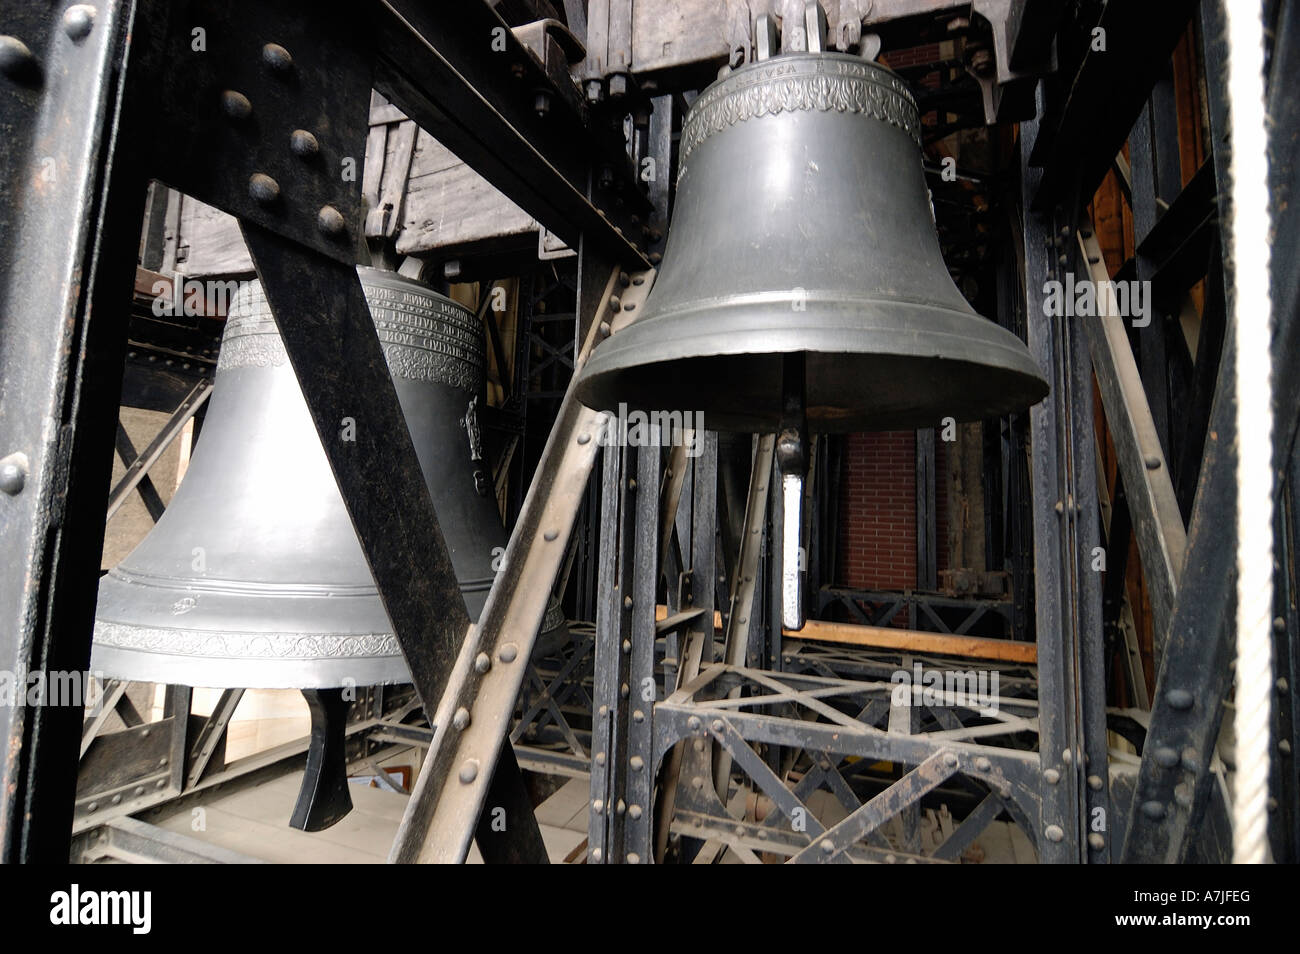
x=792, y=461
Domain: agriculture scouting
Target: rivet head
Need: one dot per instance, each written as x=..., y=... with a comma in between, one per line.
x=330, y=221
x=1096, y=841
x=598, y=806
x=693, y=723
x=1166, y=757
x=1153, y=810
x=303, y=144
x=637, y=763
x=1052, y=776
x=596, y=854
x=509, y=653
x=891, y=859
x=17, y=61
x=697, y=781
x=634, y=812
x=1067, y=756
x=983, y=764
x=621, y=807
x=1054, y=832
x=79, y=20
x=277, y=57
x=1095, y=783
x=93, y=806
x=584, y=438
x=550, y=536
x=950, y=760
x=1152, y=462
x=1180, y=699
x=482, y=663
x=600, y=758
x=263, y=189
x=468, y=770
x=461, y=719
x=638, y=716
x=716, y=725
x=633, y=858
x=236, y=105
x=13, y=473
x=827, y=846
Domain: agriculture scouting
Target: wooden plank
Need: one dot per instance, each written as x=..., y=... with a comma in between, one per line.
x=887, y=637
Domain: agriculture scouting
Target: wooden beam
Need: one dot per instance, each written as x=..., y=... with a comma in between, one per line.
x=885, y=637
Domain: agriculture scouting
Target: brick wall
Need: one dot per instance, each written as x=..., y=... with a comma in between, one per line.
x=877, y=534
x=878, y=509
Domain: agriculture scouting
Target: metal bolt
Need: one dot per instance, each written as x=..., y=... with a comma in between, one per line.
x=693, y=723
x=303, y=144
x=1054, y=832
x=469, y=770
x=1095, y=783
x=1166, y=757
x=263, y=189
x=1180, y=699
x=615, y=304
x=630, y=306
x=1096, y=841
x=17, y=61
x=634, y=812
x=637, y=763
x=13, y=473
x=1152, y=462
x=717, y=725
x=983, y=764
x=330, y=221
x=139, y=790
x=93, y=806
x=482, y=663
x=461, y=719
x=116, y=799
x=78, y=21
x=236, y=105
x=277, y=58
x=509, y=653
x=604, y=329
x=1052, y=776
x=1153, y=810
x=828, y=846
x=638, y=716
x=584, y=438
x=633, y=858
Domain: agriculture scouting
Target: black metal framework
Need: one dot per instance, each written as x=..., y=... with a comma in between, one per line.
x=108, y=95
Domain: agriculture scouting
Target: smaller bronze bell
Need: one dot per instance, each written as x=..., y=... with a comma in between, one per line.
x=253, y=577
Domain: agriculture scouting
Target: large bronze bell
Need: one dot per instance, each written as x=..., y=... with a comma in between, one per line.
x=803, y=226
x=253, y=577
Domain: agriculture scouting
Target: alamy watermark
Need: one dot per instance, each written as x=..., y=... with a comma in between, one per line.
x=654, y=429
x=191, y=298
x=58, y=688
x=969, y=689
x=1089, y=299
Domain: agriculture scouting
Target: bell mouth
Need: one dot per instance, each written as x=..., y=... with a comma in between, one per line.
x=871, y=365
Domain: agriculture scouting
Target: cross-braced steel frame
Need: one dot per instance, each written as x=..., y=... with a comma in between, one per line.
x=686, y=728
